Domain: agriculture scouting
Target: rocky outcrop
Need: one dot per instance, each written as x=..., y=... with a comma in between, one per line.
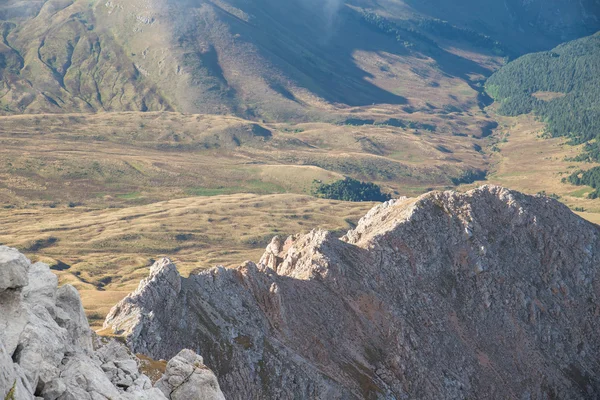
x=48, y=351
x=488, y=294
x=187, y=378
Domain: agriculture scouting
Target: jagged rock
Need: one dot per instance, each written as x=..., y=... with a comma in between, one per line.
x=14, y=269
x=488, y=294
x=185, y=375
x=46, y=346
x=13, y=277
x=85, y=380
x=71, y=316
x=54, y=389
x=7, y=373
x=271, y=257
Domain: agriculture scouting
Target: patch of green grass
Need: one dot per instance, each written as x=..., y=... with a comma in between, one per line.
x=128, y=196
x=11, y=392
x=254, y=186
x=200, y=191
x=581, y=193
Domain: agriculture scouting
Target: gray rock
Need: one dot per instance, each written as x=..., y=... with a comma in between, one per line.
x=42, y=287
x=7, y=371
x=85, y=380
x=13, y=319
x=72, y=317
x=150, y=394
x=110, y=350
x=109, y=368
x=46, y=346
x=486, y=294
x=187, y=378
x=13, y=269
x=140, y=384
x=54, y=389
x=130, y=367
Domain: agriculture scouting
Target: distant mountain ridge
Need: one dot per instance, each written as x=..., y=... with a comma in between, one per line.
x=305, y=59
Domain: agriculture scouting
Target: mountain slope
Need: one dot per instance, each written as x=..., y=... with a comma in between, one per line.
x=445, y=296
x=56, y=59
x=524, y=25
x=266, y=59
x=562, y=86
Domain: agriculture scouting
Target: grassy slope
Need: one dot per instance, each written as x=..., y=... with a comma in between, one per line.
x=523, y=159
x=110, y=249
x=57, y=60
x=133, y=158
x=251, y=59
x=303, y=61
x=103, y=194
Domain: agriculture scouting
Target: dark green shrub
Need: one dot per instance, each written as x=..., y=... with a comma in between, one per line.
x=349, y=189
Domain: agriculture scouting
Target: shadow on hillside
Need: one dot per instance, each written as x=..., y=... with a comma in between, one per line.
x=262, y=49
x=320, y=56
x=315, y=54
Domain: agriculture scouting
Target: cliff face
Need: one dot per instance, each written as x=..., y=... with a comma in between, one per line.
x=47, y=350
x=486, y=294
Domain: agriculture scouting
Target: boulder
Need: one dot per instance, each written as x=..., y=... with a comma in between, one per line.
x=187, y=378
x=13, y=269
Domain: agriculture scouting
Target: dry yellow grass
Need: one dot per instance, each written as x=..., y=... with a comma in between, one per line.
x=547, y=96
x=118, y=159
x=132, y=176
x=106, y=252
x=100, y=196
x=105, y=244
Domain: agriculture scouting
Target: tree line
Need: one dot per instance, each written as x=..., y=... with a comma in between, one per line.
x=572, y=72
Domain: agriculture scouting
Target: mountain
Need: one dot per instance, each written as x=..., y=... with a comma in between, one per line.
x=485, y=294
x=524, y=25
x=297, y=59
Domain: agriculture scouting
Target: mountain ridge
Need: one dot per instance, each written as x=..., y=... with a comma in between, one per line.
x=427, y=297
x=308, y=61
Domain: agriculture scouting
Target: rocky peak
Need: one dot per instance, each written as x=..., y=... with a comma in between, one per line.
x=15, y=267
x=300, y=256
x=164, y=269
x=449, y=295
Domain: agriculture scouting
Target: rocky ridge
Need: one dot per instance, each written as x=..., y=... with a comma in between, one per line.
x=47, y=350
x=488, y=294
